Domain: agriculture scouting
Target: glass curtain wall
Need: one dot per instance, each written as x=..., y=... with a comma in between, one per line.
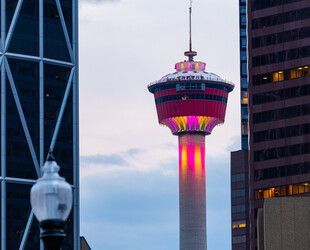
x=39, y=111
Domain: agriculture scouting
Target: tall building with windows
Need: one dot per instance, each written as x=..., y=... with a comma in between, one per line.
x=39, y=110
x=279, y=101
x=243, y=74
x=279, y=109
x=239, y=165
x=240, y=226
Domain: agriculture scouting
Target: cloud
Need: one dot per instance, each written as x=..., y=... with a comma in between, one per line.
x=130, y=210
x=114, y=159
x=119, y=159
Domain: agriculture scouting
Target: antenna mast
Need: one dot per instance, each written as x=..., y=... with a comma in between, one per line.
x=190, y=53
x=190, y=25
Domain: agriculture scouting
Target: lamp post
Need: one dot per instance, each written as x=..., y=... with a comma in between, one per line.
x=51, y=202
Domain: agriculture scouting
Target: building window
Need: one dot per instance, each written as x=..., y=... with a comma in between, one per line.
x=244, y=128
x=281, y=56
x=281, y=18
x=238, y=193
x=244, y=142
x=243, y=9
x=244, y=112
x=243, y=19
x=281, y=37
x=281, y=133
x=238, y=239
x=238, y=224
x=244, y=83
x=281, y=75
x=282, y=94
x=262, y=4
x=243, y=42
x=238, y=208
x=278, y=76
x=237, y=177
x=244, y=69
x=244, y=97
x=243, y=55
x=242, y=32
x=281, y=152
x=282, y=191
x=282, y=171
x=280, y=114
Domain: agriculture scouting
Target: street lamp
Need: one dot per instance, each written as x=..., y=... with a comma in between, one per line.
x=51, y=202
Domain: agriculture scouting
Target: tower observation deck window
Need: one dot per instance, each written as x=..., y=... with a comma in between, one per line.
x=191, y=86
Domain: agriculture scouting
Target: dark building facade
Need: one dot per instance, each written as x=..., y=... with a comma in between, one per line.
x=39, y=111
x=278, y=40
x=279, y=102
x=239, y=200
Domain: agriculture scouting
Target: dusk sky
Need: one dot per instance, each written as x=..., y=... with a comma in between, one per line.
x=129, y=163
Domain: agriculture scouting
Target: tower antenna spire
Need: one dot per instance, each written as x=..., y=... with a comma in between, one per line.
x=190, y=53
x=190, y=25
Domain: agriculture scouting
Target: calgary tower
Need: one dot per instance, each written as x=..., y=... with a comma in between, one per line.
x=191, y=102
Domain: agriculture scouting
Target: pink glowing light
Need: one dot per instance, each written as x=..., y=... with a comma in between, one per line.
x=192, y=158
x=186, y=66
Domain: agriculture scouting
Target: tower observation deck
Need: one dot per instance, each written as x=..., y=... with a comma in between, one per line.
x=191, y=102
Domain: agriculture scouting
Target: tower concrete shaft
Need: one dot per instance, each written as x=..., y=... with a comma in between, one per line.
x=192, y=191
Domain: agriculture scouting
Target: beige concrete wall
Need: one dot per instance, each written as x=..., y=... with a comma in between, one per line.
x=260, y=229
x=284, y=224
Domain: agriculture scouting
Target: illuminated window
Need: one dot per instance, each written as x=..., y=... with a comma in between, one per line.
x=238, y=224
x=281, y=76
x=299, y=72
x=282, y=191
x=244, y=97
x=244, y=128
x=290, y=189
x=278, y=76
x=293, y=73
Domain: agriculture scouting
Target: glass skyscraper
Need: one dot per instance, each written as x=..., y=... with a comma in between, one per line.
x=243, y=74
x=239, y=159
x=39, y=110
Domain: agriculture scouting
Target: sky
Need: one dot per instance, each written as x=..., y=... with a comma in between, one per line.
x=129, y=163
